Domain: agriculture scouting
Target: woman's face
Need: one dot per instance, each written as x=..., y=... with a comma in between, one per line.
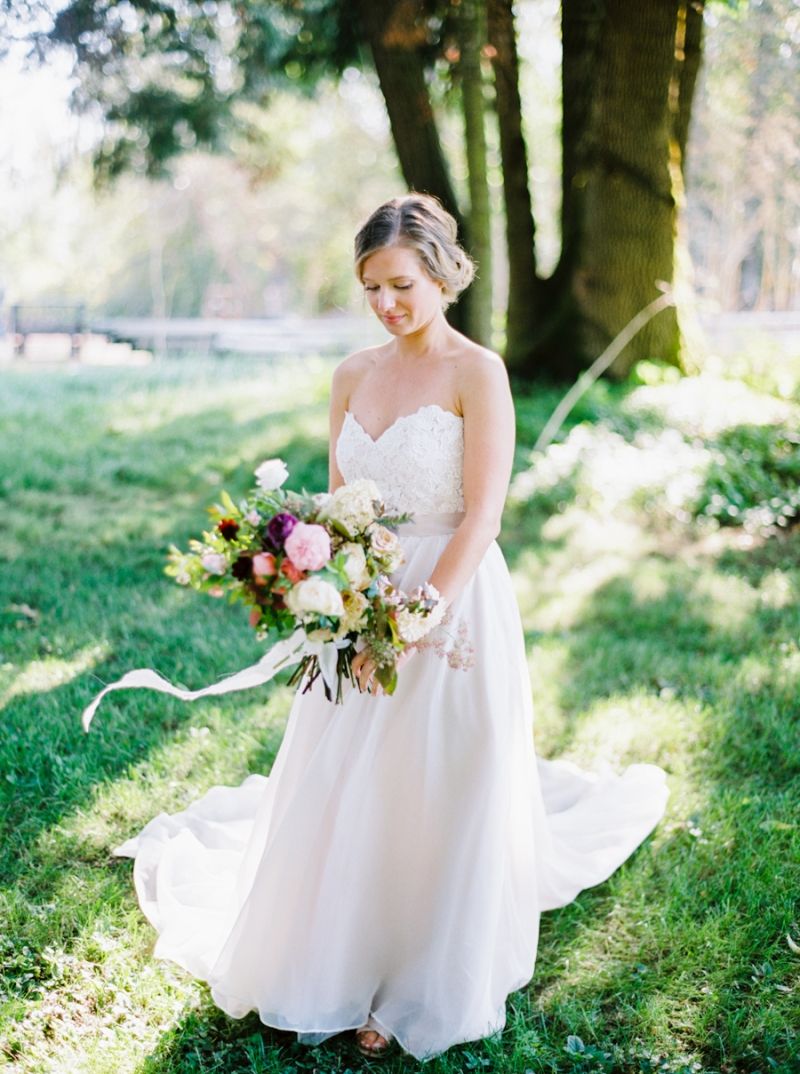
x=402, y=294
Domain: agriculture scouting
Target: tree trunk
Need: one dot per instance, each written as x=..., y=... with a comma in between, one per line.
x=619, y=210
x=688, y=53
x=581, y=25
x=627, y=244
x=472, y=37
x=395, y=32
x=523, y=286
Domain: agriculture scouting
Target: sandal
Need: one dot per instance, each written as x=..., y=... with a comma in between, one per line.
x=372, y=1040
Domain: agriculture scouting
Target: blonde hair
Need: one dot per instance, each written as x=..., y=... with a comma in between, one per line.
x=421, y=223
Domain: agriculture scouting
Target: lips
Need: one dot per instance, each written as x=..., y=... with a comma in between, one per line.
x=393, y=320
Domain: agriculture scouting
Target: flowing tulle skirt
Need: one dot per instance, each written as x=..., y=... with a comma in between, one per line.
x=397, y=858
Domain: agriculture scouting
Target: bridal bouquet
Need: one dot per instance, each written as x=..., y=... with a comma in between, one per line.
x=314, y=567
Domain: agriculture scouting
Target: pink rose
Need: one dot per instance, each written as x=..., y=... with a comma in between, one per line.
x=264, y=565
x=308, y=546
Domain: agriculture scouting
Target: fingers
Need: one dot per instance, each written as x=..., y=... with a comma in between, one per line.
x=364, y=671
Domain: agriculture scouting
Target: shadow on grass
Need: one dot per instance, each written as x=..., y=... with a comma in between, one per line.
x=723, y=898
x=693, y=927
x=91, y=593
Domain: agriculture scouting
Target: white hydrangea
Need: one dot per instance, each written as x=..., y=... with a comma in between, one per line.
x=352, y=506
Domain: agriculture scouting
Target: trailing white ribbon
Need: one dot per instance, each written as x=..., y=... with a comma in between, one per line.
x=285, y=653
x=327, y=653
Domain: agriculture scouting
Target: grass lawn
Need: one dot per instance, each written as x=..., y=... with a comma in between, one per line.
x=649, y=640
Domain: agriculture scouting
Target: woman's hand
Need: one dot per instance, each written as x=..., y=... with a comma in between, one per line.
x=364, y=666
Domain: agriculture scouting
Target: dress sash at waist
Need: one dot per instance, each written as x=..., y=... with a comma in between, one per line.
x=432, y=525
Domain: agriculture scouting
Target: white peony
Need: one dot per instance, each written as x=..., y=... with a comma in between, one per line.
x=352, y=506
x=314, y=596
x=356, y=565
x=271, y=474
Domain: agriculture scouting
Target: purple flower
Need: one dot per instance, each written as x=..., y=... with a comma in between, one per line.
x=279, y=529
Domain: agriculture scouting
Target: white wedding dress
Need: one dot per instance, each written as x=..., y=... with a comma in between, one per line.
x=396, y=860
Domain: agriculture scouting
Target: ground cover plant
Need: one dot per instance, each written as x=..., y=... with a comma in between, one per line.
x=654, y=634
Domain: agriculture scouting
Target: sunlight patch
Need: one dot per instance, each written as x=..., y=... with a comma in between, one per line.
x=623, y=730
x=705, y=405
x=777, y=590
x=727, y=602
x=41, y=676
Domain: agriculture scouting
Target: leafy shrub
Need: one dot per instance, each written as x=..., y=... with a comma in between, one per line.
x=754, y=478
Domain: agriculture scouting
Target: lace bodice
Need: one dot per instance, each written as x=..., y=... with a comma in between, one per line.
x=417, y=462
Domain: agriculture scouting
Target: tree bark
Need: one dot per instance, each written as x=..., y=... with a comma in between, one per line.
x=627, y=241
x=472, y=37
x=523, y=286
x=688, y=54
x=395, y=32
x=581, y=25
x=619, y=209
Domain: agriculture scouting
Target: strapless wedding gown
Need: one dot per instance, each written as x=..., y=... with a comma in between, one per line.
x=396, y=860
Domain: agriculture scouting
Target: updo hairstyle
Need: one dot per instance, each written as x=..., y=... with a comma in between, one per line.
x=421, y=223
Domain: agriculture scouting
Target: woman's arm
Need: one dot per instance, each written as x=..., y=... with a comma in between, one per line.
x=489, y=434
x=341, y=387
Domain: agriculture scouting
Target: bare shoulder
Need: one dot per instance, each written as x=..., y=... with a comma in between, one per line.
x=480, y=371
x=351, y=369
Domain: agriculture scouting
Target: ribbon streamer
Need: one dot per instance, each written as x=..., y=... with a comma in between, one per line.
x=285, y=653
x=327, y=653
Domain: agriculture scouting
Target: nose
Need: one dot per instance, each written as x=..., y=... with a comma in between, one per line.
x=385, y=299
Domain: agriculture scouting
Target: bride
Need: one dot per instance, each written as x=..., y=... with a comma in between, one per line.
x=388, y=875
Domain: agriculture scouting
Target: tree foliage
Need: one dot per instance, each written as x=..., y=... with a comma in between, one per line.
x=169, y=76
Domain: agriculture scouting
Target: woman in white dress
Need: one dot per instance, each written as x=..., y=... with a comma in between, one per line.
x=389, y=873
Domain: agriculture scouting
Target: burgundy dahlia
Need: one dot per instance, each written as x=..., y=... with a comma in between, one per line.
x=242, y=568
x=228, y=527
x=279, y=529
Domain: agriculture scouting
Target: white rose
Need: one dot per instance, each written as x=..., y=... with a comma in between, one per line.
x=382, y=539
x=214, y=562
x=356, y=565
x=386, y=546
x=271, y=474
x=315, y=596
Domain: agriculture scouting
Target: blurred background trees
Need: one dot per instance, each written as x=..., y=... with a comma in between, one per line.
x=246, y=142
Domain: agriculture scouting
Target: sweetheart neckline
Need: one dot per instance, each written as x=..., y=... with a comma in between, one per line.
x=402, y=417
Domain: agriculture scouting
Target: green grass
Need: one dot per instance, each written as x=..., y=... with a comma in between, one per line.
x=648, y=641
